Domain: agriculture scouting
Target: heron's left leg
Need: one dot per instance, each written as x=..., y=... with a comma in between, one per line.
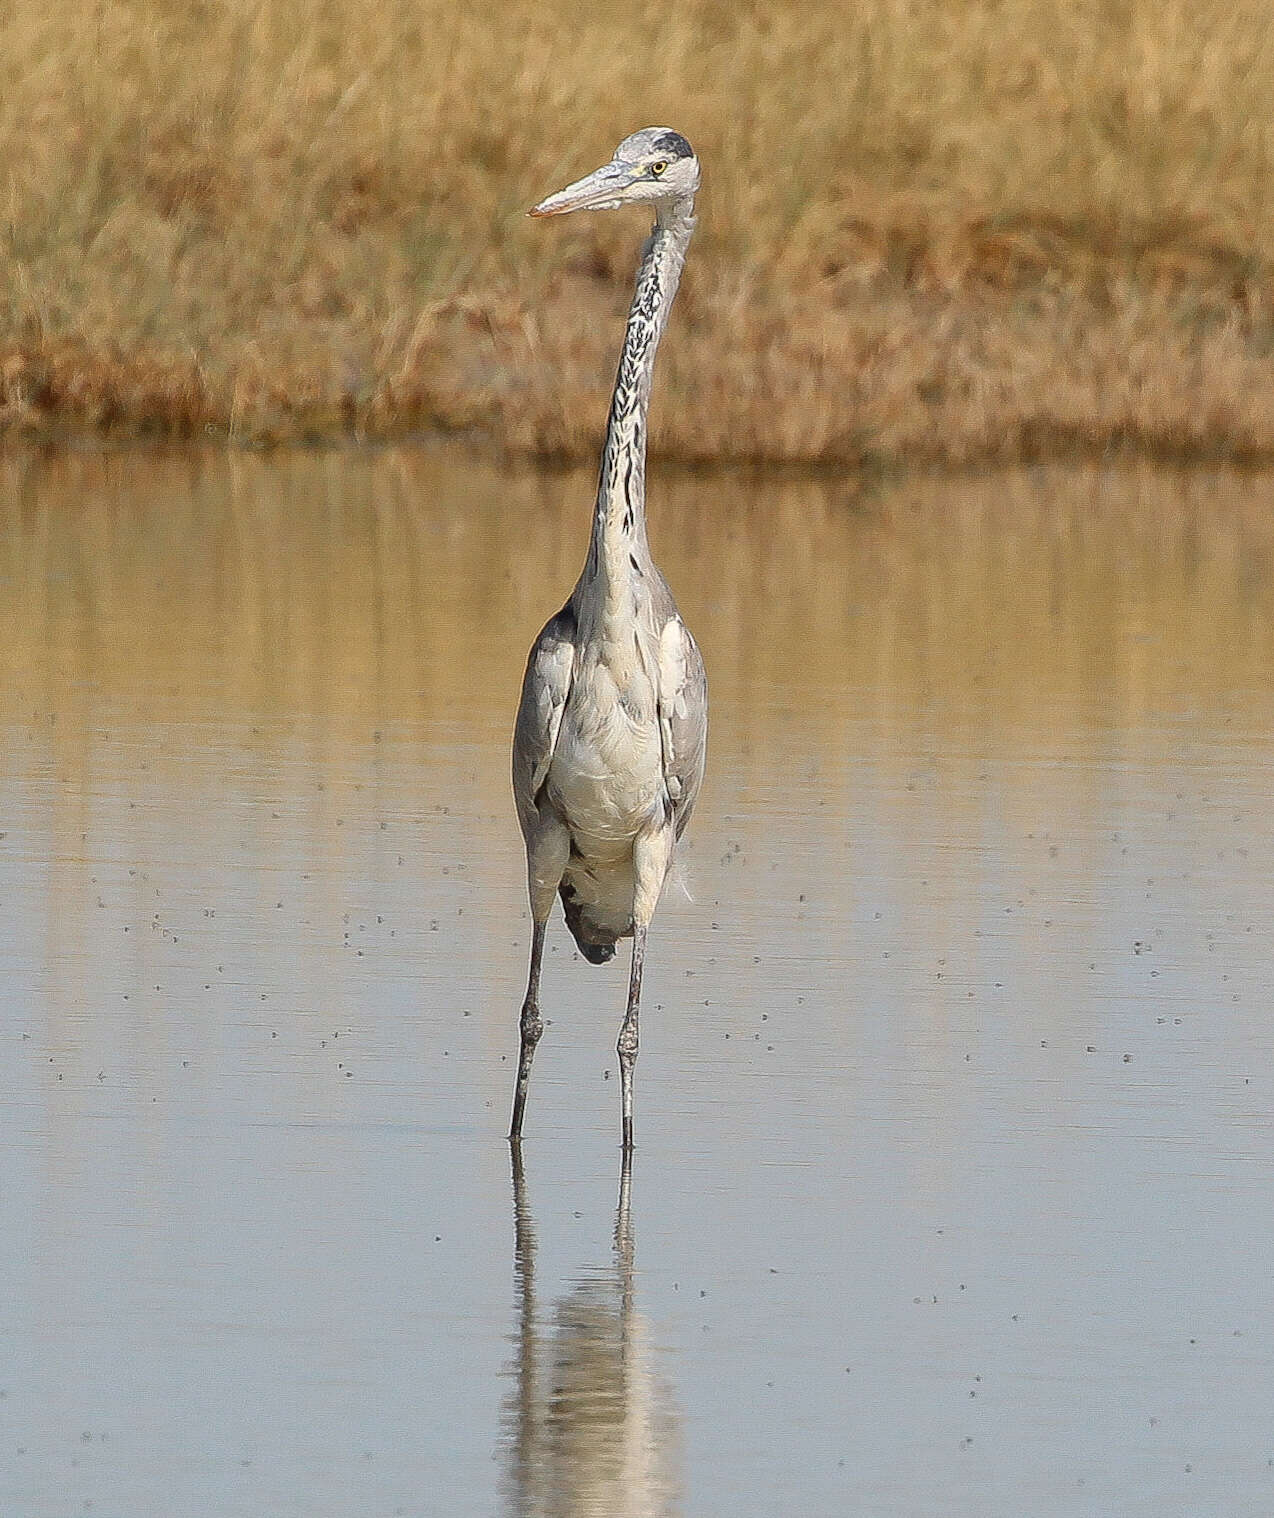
x=652, y=854
x=627, y=1045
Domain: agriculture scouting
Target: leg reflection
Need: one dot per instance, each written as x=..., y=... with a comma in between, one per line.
x=590, y=1426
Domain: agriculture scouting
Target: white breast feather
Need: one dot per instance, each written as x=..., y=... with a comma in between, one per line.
x=672, y=694
x=672, y=668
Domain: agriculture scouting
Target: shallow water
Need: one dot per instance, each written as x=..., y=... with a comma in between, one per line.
x=954, y=1187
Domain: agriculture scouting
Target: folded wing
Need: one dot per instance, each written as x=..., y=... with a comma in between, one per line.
x=545, y=688
x=683, y=717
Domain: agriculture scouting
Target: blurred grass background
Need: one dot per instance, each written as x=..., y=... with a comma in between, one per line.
x=941, y=230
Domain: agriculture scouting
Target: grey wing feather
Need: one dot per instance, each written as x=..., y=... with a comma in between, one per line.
x=683, y=717
x=550, y=669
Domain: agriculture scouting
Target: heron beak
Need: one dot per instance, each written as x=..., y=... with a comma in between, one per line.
x=598, y=191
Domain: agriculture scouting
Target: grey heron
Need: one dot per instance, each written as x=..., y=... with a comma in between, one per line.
x=611, y=732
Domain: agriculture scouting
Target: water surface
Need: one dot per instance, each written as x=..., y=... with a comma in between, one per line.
x=954, y=1186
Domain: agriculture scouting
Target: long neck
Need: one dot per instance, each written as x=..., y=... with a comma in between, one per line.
x=618, y=549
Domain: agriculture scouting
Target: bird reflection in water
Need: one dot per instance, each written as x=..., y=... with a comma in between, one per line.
x=590, y=1429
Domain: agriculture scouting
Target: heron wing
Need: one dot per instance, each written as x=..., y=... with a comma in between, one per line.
x=550, y=669
x=683, y=717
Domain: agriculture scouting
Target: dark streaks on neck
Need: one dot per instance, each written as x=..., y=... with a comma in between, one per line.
x=618, y=549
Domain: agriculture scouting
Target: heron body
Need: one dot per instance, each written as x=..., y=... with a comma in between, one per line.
x=609, y=744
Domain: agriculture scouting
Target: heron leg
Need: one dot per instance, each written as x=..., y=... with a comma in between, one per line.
x=627, y=1045
x=530, y=1027
x=652, y=854
x=547, y=853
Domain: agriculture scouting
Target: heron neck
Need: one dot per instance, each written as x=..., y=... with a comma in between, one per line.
x=619, y=551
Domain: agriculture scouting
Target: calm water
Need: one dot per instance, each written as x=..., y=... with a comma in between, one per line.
x=954, y=1192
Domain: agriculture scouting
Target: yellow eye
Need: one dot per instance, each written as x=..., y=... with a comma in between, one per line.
x=657, y=168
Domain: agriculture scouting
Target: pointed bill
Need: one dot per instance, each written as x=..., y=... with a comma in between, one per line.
x=598, y=191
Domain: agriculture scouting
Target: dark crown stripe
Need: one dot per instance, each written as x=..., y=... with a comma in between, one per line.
x=673, y=143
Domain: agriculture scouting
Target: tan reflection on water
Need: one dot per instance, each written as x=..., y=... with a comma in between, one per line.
x=348, y=590
x=592, y=1426
x=205, y=626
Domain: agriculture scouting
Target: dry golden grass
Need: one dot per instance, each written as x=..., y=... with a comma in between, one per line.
x=946, y=230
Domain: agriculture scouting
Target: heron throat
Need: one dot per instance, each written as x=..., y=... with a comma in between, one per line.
x=618, y=551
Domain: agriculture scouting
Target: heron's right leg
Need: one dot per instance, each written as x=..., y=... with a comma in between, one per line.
x=531, y=1027
x=547, y=853
x=652, y=854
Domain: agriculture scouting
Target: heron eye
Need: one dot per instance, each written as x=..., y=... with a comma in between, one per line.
x=657, y=168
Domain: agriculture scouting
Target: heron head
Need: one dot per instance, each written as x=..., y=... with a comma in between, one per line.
x=655, y=165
